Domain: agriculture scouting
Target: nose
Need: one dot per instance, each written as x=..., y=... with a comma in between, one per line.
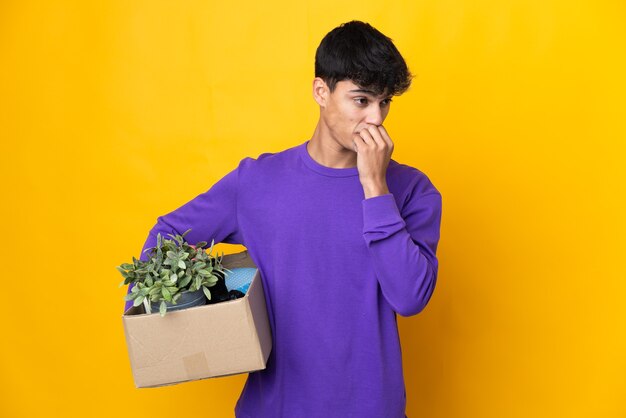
x=375, y=116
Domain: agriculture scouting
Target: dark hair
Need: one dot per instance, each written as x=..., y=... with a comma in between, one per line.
x=358, y=52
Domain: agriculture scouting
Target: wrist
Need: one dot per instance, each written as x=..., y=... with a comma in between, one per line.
x=372, y=189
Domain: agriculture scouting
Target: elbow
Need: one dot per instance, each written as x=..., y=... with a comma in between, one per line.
x=410, y=309
x=417, y=302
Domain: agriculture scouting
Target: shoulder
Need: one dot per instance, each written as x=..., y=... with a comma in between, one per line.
x=268, y=162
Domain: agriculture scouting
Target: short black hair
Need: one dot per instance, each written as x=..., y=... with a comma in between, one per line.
x=359, y=52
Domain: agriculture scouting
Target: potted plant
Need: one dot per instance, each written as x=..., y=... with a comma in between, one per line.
x=176, y=276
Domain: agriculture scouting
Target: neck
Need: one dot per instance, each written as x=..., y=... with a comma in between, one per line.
x=328, y=151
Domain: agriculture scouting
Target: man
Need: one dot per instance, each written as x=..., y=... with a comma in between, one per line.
x=345, y=239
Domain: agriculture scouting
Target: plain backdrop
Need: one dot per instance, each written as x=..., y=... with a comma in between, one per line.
x=114, y=113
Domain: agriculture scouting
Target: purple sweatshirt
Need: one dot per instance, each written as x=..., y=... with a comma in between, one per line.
x=336, y=269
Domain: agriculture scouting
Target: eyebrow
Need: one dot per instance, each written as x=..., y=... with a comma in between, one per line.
x=369, y=92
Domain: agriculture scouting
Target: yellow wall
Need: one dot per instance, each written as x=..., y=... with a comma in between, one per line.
x=116, y=113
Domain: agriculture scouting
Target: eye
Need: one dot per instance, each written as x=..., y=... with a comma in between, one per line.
x=363, y=101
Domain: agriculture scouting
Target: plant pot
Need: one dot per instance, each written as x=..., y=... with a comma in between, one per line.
x=187, y=300
x=219, y=292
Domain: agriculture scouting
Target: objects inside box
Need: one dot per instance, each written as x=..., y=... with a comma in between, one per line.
x=234, y=286
x=177, y=275
x=239, y=279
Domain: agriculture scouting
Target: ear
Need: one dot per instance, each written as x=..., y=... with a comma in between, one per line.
x=320, y=91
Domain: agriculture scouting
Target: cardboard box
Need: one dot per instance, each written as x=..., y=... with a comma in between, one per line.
x=201, y=342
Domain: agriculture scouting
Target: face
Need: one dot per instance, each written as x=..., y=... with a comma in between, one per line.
x=349, y=109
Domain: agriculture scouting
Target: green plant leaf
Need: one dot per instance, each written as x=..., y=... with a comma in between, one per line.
x=173, y=278
x=138, y=301
x=199, y=266
x=184, y=281
x=147, y=307
x=163, y=308
x=204, y=272
x=166, y=294
x=207, y=292
x=182, y=264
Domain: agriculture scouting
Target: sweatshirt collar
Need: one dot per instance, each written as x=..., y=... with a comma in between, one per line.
x=322, y=169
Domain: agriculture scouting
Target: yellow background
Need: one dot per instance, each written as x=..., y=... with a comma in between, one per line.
x=116, y=113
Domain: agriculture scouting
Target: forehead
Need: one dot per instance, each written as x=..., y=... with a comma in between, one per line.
x=347, y=86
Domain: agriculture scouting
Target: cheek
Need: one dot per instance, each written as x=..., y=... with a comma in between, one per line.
x=350, y=118
x=344, y=118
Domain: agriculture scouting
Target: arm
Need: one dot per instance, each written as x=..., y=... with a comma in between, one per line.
x=403, y=247
x=211, y=215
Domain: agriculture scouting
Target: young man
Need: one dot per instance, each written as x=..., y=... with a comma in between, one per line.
x=344, y=236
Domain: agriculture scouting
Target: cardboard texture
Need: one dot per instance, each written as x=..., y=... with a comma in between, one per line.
x=201, y=342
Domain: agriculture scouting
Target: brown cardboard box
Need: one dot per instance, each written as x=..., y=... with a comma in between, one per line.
x=206, y=341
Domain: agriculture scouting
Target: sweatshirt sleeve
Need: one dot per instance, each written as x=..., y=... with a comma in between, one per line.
x=403, y=247
x=211, y=215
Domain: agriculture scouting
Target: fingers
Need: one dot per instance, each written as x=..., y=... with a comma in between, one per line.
x=358, y=141
x=386, y=136
x=376, y=135
x=366, y=136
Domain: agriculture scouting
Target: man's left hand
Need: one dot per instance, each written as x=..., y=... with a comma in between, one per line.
x=373, y=147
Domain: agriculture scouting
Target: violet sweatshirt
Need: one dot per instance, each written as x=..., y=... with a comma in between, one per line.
x=336, y=268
